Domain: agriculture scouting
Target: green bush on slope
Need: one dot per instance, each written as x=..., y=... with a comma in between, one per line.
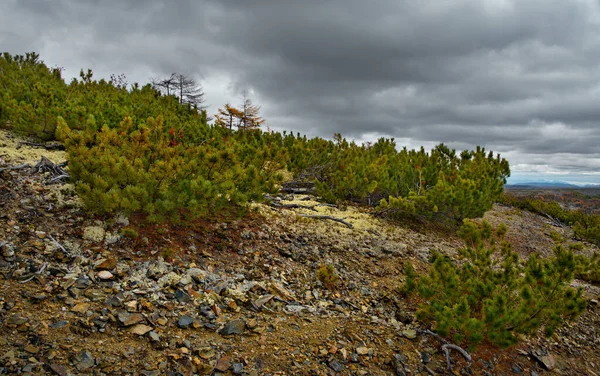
x=137, y=150
x=492, y=295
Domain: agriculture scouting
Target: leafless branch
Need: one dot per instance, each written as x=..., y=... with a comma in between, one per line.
x=349, y=225
x=447, y=346
x=42, y=268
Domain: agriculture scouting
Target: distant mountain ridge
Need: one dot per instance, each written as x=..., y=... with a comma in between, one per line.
x=550, y=184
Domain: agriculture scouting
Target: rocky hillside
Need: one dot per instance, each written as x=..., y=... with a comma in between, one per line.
x=82, y=295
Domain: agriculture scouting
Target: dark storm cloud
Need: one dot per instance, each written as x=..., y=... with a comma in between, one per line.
x=521, y=77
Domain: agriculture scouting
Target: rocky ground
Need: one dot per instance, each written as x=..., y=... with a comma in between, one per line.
x=83, y=295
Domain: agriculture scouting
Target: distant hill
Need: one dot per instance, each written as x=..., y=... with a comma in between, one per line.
x=549, y=185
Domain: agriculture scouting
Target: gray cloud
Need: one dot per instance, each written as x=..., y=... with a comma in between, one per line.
x=518, y=76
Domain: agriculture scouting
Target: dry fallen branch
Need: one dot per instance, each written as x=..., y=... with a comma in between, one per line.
x=447, y=346
x=56, y=170
x=59, y=245
x=42, y=268
x=292, y=206
x=328, y=205
x=44, y=146
x=327, y=217
x=19, y=167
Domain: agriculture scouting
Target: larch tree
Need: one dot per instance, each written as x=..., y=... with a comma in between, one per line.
x=186, y=89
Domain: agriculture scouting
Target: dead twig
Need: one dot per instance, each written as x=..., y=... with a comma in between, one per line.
x=59, y=245
x=44, y=146
x=555, y=221
x=447, y=346
x=328, y=205
x=63, y=176
x=42, y=268
x=349, y=225
x=56, y=171
x=292, y=206
x=19, y=167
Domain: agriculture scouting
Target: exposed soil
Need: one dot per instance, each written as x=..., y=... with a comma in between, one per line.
x=237, y=296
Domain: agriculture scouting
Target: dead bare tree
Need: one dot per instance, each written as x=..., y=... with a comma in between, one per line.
x=186, y=89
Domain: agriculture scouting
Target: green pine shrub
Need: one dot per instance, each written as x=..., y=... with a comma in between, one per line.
x=327, y=275
x=139, y=168
x=585, y=226
x=492, y=295
x=137, y=150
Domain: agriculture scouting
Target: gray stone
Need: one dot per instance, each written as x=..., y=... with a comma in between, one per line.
x=17, y=320
x=58, y=369
x=410, y=333
x=154, y=336
x=237, y=368
x=233, y=327
x=84, y=360
x=336, y=366
x=185, y=321
x=58, y=324
x=182, y=296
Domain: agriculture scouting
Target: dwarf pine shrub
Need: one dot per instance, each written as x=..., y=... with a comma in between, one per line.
x=492, y=295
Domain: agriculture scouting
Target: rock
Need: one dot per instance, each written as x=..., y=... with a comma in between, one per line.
x=31, y=349
x=237, y=368
x=58, y=369
x=84, y=360
x=354, y=358
x=128, y=319
x=362, y=350
x=8, y=250
x=107, y=264
x=155, y=372
x=140, y=329
x=182, y=296
x=258, y=303
x=336, y=366
x=206, y=353
x=208, y=313
x=93, y=233
x=154, y=336
x=105, y=275
x=410, y=333
x=197, y=275
x=278, y=289
x=233, y=327
x=516, y=369
x=223, y=364
x=39, y=297
x=544, y=358
x=131, y=306
x=58, y=324
x=405, y=317
x=399, y=361
x=17, y=320
x=185, y=321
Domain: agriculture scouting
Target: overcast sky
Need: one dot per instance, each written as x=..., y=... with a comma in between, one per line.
x=520, y=77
